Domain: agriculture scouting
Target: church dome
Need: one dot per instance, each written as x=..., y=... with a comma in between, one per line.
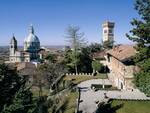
x=31, y=43
x=31, y=37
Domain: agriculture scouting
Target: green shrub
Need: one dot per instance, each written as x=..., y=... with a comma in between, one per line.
x=97, y=66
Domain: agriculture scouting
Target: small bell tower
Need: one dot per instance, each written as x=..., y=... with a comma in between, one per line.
x=13, y=45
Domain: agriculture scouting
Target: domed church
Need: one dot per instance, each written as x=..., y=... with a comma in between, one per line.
x=31, y=48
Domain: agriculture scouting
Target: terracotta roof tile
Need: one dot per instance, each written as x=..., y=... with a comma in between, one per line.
x=122, y=52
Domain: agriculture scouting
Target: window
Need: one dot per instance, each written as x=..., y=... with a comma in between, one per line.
x=110, y=31
x=105, y=31
x=108, y=57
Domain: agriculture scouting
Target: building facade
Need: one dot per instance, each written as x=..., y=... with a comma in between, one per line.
x=31, y=48
x=121, y=68
x=108, y=31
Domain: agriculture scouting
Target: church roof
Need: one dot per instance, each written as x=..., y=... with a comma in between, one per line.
x=31, y=37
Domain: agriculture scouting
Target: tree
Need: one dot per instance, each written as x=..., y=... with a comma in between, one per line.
x=97, y=66
x=141, y=35
x=108, y=44
x=51, y=58
x=76, y=40
x=14, y=96
x=84, y=60
x=9, y=84
x=67, y=61
x=21, y=103
x=94, y=47
x=51, y=73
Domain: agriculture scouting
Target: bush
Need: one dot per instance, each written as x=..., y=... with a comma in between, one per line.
x=108, y=86
x=97, y=66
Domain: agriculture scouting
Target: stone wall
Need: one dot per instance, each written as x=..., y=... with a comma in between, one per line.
x=120, y=75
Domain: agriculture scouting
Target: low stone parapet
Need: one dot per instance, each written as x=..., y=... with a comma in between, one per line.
x=79, y=74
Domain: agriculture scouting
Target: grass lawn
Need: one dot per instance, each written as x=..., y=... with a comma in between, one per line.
x=133, y=106
x=76, y=79
x=71, y=104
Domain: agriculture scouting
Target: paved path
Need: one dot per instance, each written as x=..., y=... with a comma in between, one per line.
x=89, y=97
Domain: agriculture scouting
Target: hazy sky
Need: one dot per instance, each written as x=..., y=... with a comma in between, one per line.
x=50, y=18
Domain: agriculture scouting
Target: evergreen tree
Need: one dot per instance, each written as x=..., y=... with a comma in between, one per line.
x=97, y=66
x=10, y=83
x=21, y=103
x=83, y=60
x=94, y=47
x=14, y=97
x=141, y=35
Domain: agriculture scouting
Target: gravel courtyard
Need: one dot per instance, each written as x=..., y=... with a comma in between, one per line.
x=88, y=97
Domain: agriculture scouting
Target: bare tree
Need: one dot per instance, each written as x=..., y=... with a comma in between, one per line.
x=50, y=74
x=76, y=40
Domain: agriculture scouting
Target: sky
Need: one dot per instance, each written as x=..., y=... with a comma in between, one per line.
x=50, y=19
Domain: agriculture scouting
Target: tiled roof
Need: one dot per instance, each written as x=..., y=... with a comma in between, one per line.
x=122, y=52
